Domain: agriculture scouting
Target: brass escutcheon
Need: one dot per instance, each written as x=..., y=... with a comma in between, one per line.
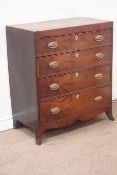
x=77, y=74
x=99, y=38
x=54, y=86
x=77, y=54
x=53, y=45
x=77, y=96
x=54, y=64
x=98, y=98
x=98, y=76
x=55, y=110
x=76, y=37
x=99, y=55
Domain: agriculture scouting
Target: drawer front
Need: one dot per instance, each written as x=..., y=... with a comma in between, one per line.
x=50, y=45
x=73, y=60
x=71, y=82
x=81, y=103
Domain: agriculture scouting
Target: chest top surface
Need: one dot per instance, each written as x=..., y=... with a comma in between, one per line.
x=63, y=23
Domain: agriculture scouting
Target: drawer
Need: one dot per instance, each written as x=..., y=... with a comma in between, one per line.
x=49, y=45
x=76, y=104
x=73, y=60
x=73, y=81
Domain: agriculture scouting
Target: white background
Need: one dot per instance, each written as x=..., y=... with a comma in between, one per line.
x=23, y=11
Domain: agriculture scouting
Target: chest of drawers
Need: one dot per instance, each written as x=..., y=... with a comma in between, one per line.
x=60, y=72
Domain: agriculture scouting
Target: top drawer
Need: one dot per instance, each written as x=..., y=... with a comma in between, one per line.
x=49, y=45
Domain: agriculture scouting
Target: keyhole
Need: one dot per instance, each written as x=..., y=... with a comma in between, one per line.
x=77, y=54
x=77, y=74
x=76, y=37
x=77, y=96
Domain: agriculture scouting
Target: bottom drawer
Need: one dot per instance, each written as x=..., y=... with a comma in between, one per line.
x=83, y=102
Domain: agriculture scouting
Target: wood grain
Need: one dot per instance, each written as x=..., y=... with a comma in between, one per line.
x=71, y=106
x=69, y=61
x=70, y=82
x=68, y=42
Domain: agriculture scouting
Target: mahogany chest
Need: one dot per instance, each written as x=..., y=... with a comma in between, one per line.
x=60, y=72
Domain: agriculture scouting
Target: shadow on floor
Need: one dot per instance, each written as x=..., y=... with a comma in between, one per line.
x=55, y=132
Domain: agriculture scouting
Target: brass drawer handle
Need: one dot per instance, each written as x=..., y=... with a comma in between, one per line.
x=53, y=45
x=54, y=64
x=54, y=86
x=99, y=38
x=55, y=110
x=98, y=98
x=98, y=76
x=99, y=55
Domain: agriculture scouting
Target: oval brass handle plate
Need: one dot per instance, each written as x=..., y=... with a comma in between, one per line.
x=98, y=76
x=99, y=38
x=98, y=98
x=55, y=110
x=99, y=55
x=54, y=86
x=53, y=45
x=54, y=64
